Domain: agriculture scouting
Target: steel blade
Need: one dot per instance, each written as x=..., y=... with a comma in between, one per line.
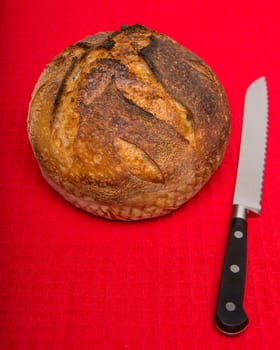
x=248, y=188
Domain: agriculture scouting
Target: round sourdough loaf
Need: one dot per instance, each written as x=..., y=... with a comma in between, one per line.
x=129, y=124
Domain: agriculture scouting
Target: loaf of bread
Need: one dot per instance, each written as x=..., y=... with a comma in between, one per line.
x=128, y=125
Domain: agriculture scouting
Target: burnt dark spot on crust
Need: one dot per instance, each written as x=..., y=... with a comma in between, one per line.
x=109, y=66
x=115, y=64
x=132, y=28
x=108, y=44
x=124, y=27
x=83, y=45
x=127, y=29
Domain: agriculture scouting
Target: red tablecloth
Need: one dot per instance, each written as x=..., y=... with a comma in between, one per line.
x=69, y=280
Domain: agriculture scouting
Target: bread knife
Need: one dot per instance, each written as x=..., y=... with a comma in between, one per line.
x=230, y=317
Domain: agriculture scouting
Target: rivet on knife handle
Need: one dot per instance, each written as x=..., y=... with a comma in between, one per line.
x=230, y=317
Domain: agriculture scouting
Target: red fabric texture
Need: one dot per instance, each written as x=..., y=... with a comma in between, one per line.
x=69, y=280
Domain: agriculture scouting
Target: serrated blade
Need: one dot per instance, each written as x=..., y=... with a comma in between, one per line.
x=248, y=188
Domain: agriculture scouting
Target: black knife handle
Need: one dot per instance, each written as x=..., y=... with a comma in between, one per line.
x=230, y=317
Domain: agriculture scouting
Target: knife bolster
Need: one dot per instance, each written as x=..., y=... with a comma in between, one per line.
x=239, y=211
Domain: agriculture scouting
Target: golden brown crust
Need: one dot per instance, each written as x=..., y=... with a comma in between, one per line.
x=128, y=121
